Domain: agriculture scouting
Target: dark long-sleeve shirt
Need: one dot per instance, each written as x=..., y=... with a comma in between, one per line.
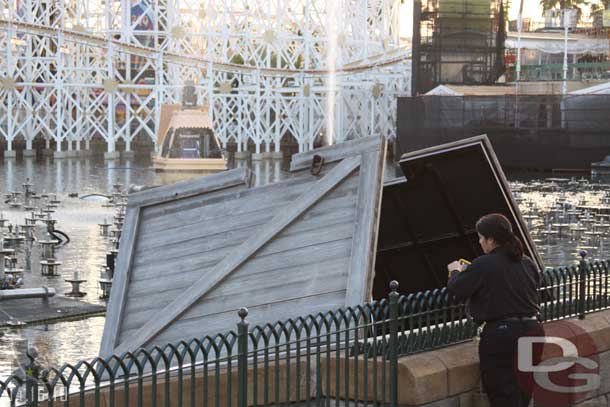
x=498, y=287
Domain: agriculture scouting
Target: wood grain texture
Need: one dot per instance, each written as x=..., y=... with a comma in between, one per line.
x=230, y=213
x=118, y=295
x=184, y=189
x=290, y=279
x=258, y=315
x=227, y=229
x=336, y=152
x=360, y=280
x=242, y=253
x=205, y=249
x=212, y=251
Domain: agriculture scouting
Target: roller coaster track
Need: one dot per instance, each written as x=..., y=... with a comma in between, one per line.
x=390, y=58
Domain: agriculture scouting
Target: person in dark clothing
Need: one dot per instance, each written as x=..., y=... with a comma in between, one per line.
x=502, y=289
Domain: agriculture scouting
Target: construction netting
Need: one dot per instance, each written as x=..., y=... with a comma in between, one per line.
x=565, y=125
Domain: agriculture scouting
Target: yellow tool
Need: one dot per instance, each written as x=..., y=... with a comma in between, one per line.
x=464, y=261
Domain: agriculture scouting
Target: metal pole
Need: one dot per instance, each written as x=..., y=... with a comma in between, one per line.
x=393, y=354
x=242, y=358
x=582, y=282
x=566, y=24
x=415, y=47
x=519, y=29
x=32, y=373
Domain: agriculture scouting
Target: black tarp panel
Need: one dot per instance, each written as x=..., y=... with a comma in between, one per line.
x=428, y=218
x=527, y=131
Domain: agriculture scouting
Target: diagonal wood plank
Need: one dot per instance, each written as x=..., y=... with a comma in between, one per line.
x=121, y=282
x=240, y=255
x=362, y=266
x=188, y=188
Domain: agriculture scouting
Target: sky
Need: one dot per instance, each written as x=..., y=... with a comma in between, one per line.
x=531, y=8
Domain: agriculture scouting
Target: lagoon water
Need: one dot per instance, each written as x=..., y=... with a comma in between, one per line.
x=70, y=341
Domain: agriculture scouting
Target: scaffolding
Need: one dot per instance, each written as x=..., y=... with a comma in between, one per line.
x=271, y=71
x=461, y=42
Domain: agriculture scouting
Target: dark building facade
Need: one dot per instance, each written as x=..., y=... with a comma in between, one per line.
x=527, y=132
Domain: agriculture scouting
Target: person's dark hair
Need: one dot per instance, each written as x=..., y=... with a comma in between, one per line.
x=498, y=227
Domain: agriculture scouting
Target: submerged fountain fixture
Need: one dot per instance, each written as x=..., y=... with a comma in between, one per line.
x=75, y=283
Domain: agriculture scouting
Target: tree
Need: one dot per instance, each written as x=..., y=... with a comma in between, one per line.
x=565, y=4
x=600, y=5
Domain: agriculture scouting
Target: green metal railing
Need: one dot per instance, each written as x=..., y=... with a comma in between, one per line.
x=329, y=359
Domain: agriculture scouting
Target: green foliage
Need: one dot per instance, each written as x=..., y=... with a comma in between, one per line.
x=600, y=5
x=565, y=4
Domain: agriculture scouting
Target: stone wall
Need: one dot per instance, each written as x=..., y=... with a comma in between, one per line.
x=450, y=377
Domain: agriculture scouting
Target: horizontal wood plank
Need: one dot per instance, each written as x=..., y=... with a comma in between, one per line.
x=196, y=201
x=236, y=205
x=180, y=190
x=296, y=277
x=257, y=315
x=231, y=233
x=297, y=243
x=336, y=152
x=171, y=312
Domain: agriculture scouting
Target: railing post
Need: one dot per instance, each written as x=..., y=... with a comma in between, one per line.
x=242, y=358
x=393, y=353
x=582, y=282
x=32, y=373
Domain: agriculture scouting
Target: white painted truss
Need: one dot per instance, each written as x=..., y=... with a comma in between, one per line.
x=272, y=70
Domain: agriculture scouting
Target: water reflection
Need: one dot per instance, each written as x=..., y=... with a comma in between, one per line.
x=69, y=341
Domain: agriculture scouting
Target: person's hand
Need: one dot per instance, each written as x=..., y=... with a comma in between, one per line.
x=455, y=265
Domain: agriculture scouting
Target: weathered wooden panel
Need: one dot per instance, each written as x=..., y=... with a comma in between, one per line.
x=199, y=251
x=218, y=222
x=257, y=315
x=214, y=184
x=331, y=241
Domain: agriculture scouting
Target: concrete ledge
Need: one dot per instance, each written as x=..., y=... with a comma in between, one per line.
x=29, y=153
x=10, y=154
x=257, y=157
x=450, y=376
x=462, y=364
x=47, y=152
x=60, y=154
x=422, y=378
x=112, y=155
x=128, y=154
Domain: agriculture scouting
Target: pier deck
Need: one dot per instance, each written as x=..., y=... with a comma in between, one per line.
x=30, y=311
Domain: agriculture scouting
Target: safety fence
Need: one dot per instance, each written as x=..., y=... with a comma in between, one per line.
x=329, y=359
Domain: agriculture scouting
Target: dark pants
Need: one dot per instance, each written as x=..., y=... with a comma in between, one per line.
x=497, y=355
